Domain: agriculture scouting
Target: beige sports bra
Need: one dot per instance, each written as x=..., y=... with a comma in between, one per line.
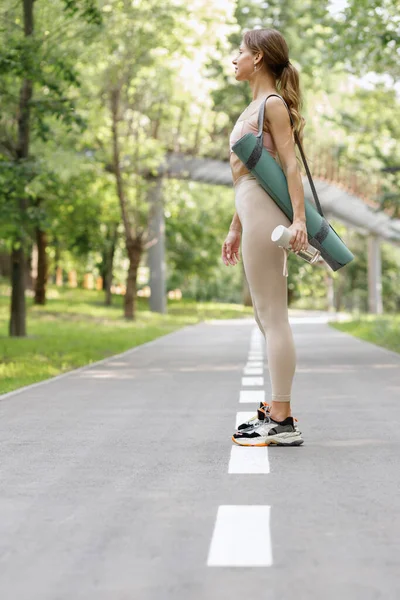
x=241, y=127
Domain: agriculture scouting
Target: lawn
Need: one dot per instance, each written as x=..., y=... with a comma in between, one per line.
x=75, y=328
x=383, y=330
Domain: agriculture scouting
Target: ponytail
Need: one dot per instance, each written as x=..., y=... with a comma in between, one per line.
x=288, y=85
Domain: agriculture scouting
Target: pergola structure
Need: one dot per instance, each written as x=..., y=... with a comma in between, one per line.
x=337, y=202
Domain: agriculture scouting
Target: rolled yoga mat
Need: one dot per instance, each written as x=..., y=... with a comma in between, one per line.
x=269, y=174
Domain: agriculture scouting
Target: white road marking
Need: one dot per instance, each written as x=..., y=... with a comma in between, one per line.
x=235, y=523
x=252, y=381
x=248, y=460
x=253, y=371
x=252, y=396
x=241, y=537
x=243, y=416
x=254, y=363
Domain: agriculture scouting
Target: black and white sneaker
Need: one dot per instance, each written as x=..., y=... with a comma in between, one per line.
x=258, y=418
x=268, y=432
x=263, y=411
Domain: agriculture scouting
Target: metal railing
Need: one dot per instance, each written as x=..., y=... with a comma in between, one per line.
x=323, y=165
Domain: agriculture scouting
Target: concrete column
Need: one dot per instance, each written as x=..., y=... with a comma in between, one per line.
x=156, y=251
x=374, y=275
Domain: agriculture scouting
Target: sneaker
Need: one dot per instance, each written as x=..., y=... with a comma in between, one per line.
x=258, y=418
x=263, y=411
x=268, y=432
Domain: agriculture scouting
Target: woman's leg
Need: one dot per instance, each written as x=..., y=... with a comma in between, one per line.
x=263, y=265
x=260, y=327
x=277, y=407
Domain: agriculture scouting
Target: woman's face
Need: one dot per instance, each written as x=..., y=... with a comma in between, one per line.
x=244, y=63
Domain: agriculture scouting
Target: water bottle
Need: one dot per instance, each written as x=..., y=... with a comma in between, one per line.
x=282, y=236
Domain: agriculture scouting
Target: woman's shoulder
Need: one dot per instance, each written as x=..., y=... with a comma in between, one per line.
x=276, y=109
x=273, y=100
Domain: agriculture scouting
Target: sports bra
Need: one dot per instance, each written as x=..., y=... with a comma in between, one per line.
x=250, y=125
x=241, y=127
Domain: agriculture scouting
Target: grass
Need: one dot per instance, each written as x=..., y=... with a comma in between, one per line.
x=75, y=328
x=382, y=330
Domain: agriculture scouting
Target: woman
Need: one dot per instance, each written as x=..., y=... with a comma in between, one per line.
x=263, y=61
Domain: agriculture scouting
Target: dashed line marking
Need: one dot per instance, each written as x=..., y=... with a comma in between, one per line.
x=252, y=396
x=253, y=371
x=235, y=525
x=241, y=537
x=249, y=460
x=254, y=363
x=252, y=381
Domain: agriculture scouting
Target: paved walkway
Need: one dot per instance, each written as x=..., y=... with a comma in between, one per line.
x=117, y=481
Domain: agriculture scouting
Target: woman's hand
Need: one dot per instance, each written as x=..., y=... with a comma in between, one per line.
x=230, y=247
x=299, y=240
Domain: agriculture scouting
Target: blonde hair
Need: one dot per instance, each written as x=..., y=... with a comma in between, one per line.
x=276, y=58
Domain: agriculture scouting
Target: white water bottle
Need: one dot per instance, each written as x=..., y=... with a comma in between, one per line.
x=282, y=236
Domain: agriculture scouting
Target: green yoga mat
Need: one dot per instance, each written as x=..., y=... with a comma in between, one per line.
x=262, y=165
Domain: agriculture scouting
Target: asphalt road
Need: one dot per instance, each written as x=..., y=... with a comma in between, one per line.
x=111, y=477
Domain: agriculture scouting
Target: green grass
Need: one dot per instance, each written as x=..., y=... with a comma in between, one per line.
x=75, y=328
x=383, y=330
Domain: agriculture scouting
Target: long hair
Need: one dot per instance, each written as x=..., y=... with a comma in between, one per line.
x=275, y=55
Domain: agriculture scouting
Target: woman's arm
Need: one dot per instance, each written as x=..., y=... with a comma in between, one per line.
x=236, y=224
x=279, y=125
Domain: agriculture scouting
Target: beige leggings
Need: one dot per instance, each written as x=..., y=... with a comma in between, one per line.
x=263, y=266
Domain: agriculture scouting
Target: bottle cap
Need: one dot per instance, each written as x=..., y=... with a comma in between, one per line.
x=282, y=236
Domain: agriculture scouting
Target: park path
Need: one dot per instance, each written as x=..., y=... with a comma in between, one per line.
x=120, y=481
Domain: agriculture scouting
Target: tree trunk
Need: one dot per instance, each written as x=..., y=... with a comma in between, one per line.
x=108, y=266
x=5, y=265
x=41, y=279
x=28, y=251
x=57, y=273
x=133, y=243
x=134, y=253
x=17, y=326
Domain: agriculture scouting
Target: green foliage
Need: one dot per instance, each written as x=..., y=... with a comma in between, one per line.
x=173, y=63
x=42, y=60
x=370, y=130
x=87, y=9
x=197, y=220
x=366, y=37
x=354, y=278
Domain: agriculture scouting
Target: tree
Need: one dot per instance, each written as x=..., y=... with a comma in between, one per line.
x=23, y=62
x=366, y=38
x=127, y=92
